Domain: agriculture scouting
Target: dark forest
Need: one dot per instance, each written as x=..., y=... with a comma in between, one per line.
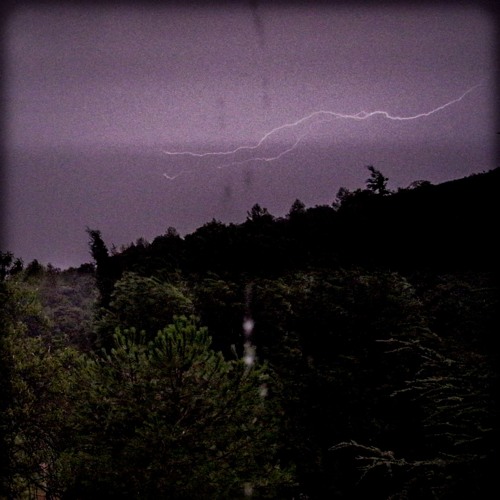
x=341, y=351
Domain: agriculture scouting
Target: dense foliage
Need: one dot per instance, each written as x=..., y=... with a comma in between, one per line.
x=342, y=351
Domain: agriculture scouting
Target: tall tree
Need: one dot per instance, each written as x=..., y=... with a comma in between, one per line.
x=377, y=182
x=106, y=272
x=170, y=418
x=25, y=382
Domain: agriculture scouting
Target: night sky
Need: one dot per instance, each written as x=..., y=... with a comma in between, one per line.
x=98, y=99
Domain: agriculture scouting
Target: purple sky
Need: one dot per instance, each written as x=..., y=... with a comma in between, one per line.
x=96, y=98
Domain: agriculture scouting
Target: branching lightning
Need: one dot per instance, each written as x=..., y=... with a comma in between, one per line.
x=171, y=177
x=323, y=116
x=269, y=159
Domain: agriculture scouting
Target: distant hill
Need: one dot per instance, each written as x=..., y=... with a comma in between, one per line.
x=445, y=227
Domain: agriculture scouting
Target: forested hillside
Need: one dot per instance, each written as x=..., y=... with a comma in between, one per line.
x=450, y=226
x=343, y=351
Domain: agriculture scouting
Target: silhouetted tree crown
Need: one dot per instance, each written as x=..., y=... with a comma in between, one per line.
x=377, y=182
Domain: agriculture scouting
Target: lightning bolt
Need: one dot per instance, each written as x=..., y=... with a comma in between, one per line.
x=325, y=116
x=269, y=159
x=171, y=177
